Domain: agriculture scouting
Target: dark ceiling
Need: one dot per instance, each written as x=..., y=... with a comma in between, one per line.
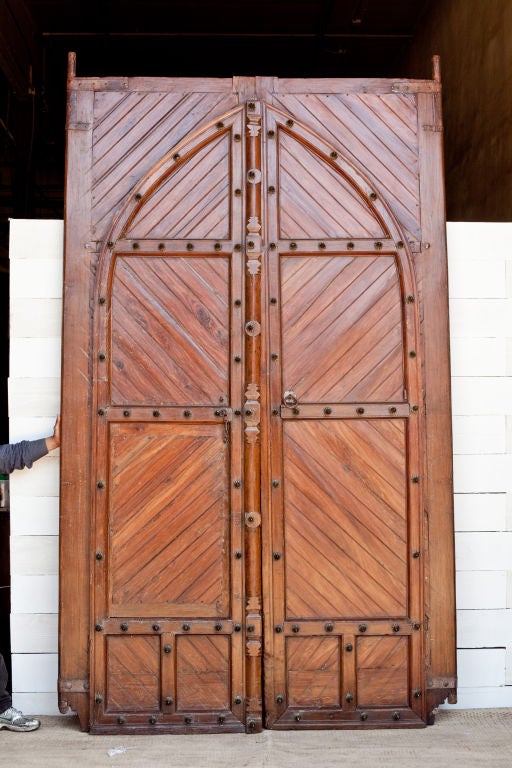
x=303, y=38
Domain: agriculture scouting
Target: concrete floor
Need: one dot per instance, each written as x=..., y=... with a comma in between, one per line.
x=459, y=738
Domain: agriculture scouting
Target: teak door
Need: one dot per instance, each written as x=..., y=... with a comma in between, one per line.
x=257, y=490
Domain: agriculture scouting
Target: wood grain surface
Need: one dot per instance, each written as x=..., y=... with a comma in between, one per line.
x=255, y=420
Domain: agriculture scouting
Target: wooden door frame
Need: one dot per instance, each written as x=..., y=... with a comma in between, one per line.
x=82, y=246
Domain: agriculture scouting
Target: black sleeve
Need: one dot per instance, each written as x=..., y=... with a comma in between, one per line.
x=19, y=455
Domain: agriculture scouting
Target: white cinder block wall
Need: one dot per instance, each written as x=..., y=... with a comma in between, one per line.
x=480, y=266
x=36, y=249
x=480, y=282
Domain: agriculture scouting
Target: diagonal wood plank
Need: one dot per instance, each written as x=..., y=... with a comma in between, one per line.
x=168, y=518
x=170, y=330
x=133, y=674
x=132, y=134
x=378, y=133
x=345, y=519
x=342, y=336
x=317, y=201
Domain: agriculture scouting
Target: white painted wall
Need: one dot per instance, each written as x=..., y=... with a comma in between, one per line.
x=480, y=287
x=36, y=249
x=480, y=266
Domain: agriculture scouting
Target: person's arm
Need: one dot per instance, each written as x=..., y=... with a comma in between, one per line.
x=23, y=454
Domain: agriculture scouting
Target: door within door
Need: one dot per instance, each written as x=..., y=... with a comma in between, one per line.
x=258, y=435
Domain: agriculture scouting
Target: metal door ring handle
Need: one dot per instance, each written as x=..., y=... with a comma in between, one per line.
x=289, y=398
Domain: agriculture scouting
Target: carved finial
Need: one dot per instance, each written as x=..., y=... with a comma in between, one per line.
x=71, y=65
x=436, y=68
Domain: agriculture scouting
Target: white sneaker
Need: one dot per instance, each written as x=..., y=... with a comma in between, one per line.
x=14, y=720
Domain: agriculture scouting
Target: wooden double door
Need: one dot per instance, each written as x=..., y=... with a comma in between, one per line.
x=257, y=470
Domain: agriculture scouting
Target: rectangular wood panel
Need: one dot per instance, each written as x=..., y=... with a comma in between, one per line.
x=168, y=520
x=203, y=673
x=345, y=519
x=133, y=674
x=314, y=674
x=382, y=671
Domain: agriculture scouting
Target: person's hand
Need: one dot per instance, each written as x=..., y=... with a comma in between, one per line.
x=54, y=441
x=56, y=430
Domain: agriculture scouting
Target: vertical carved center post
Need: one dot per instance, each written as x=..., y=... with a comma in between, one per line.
x=252, y=444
